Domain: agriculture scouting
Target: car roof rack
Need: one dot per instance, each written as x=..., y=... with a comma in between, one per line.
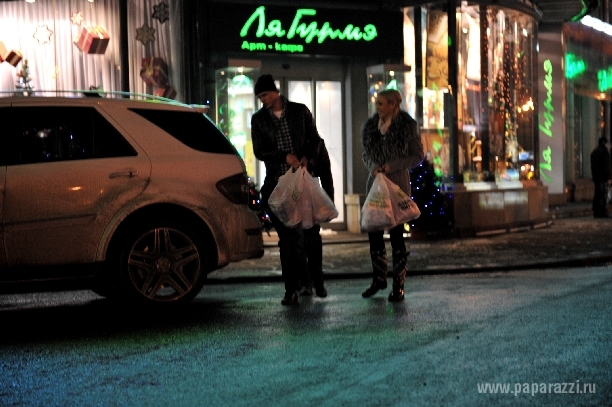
x=99, y=93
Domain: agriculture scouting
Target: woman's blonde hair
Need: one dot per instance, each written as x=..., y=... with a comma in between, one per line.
x=392, y=96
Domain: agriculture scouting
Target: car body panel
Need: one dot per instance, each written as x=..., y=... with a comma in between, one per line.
x=231, y=225
x=2, y=248
x=68, y=211
x=49, y=207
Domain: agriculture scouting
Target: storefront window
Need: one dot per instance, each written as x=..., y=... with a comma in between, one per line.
x=494, y=99
x=235, y=104
x=75, y=45
x=510, y=95
x=436, y=90
x=499, y=147
x=588, y=82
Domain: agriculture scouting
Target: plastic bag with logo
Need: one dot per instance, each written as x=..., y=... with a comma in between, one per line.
x=404, y=208
x=284, y=201
x=377, y=211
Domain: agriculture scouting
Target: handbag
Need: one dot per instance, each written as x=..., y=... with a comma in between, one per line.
x=387, y=206
x=285, y=198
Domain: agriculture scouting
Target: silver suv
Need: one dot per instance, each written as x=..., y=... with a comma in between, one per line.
x=136, y=200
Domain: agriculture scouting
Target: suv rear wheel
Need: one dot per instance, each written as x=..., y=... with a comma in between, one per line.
x=161, y=263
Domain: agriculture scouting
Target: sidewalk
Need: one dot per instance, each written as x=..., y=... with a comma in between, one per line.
x=574, y=238
x=570, y=210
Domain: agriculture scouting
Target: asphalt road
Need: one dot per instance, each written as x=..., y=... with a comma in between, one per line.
x=542, y=335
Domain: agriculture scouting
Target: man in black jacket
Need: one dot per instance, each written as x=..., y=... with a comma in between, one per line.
x=601, y=171
x=284, y=136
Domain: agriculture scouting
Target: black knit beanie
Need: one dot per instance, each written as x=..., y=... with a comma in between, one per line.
x=265, y=83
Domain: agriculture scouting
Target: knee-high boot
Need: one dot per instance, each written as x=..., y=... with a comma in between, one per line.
x=400, y=258
x=379, y=273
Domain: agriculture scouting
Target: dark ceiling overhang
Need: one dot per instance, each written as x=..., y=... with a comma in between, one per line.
x=561, y=11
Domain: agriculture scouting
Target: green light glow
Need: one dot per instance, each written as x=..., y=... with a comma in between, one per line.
x=546, y=127
x=604, y=79
x=303, y=30
x=574, y=66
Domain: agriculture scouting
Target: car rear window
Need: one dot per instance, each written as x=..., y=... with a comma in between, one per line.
x=190, y=128
x=36, y=134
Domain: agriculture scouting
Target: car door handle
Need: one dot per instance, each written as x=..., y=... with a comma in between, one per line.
x=126, y=173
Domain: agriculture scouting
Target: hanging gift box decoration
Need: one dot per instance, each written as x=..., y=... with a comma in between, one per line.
x=92, y=40
x=154, y=72
x=13, y=57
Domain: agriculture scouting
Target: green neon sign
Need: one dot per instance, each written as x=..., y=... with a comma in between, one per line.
x=574, y=66
x=546, y=127
x=604, y=79
x=301, y=28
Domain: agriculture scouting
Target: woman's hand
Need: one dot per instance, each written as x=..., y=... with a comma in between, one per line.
x=384, y=169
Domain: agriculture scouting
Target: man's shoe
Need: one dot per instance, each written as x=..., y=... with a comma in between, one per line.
x=321, y=291
x=306, y=290
x=374, y=287
x=290, y=299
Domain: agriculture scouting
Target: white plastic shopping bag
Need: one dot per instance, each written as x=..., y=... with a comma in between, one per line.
x=317, y=205
x=377, y=213
x=387, y=206
x=404, y=208
x=284, y=201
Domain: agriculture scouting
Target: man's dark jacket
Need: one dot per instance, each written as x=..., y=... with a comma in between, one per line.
x=601, y=170
x=304, y=136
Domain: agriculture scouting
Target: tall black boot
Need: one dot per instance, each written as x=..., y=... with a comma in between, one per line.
x=379, y=273
x=400, y=258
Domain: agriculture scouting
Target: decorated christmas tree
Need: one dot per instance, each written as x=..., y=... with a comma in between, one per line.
x=23, y=80
x=436, y=218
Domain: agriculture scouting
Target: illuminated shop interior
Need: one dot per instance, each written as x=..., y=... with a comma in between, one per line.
x=494, y=96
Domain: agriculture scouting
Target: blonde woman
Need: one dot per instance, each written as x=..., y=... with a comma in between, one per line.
x=391, y=145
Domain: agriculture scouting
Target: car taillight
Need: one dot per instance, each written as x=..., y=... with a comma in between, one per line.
x=235, y=188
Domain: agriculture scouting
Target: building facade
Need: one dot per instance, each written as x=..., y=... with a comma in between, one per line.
x=470, y=73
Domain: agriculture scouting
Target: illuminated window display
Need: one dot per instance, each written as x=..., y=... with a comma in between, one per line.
x=389, y=76
x=495, y=95
x=235, y=104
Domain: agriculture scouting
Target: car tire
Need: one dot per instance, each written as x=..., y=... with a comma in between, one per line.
x=161, y=263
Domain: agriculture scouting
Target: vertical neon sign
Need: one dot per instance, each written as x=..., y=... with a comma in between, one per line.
x=549, y=118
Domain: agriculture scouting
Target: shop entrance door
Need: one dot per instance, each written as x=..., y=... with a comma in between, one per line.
x=324, y=99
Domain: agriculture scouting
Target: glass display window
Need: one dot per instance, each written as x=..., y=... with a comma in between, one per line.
x=494, y=98
x=234, y=106
x=511, y=84
x=388, y=76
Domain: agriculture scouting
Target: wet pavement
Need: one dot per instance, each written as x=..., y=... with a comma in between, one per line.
x=573, y=238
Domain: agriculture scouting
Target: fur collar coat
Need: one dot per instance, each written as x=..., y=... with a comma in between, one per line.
x=401, y=148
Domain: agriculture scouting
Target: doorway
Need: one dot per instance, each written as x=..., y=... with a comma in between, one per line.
x=318, y=86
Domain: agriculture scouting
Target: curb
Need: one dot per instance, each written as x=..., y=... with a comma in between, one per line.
x=566, y=263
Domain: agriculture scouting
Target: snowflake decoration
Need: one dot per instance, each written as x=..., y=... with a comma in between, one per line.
x=161, y=12
x=77, y=18
x=145, y=34
x=42, y=34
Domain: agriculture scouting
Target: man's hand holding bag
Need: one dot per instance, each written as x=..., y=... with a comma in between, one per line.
x=285, y=198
